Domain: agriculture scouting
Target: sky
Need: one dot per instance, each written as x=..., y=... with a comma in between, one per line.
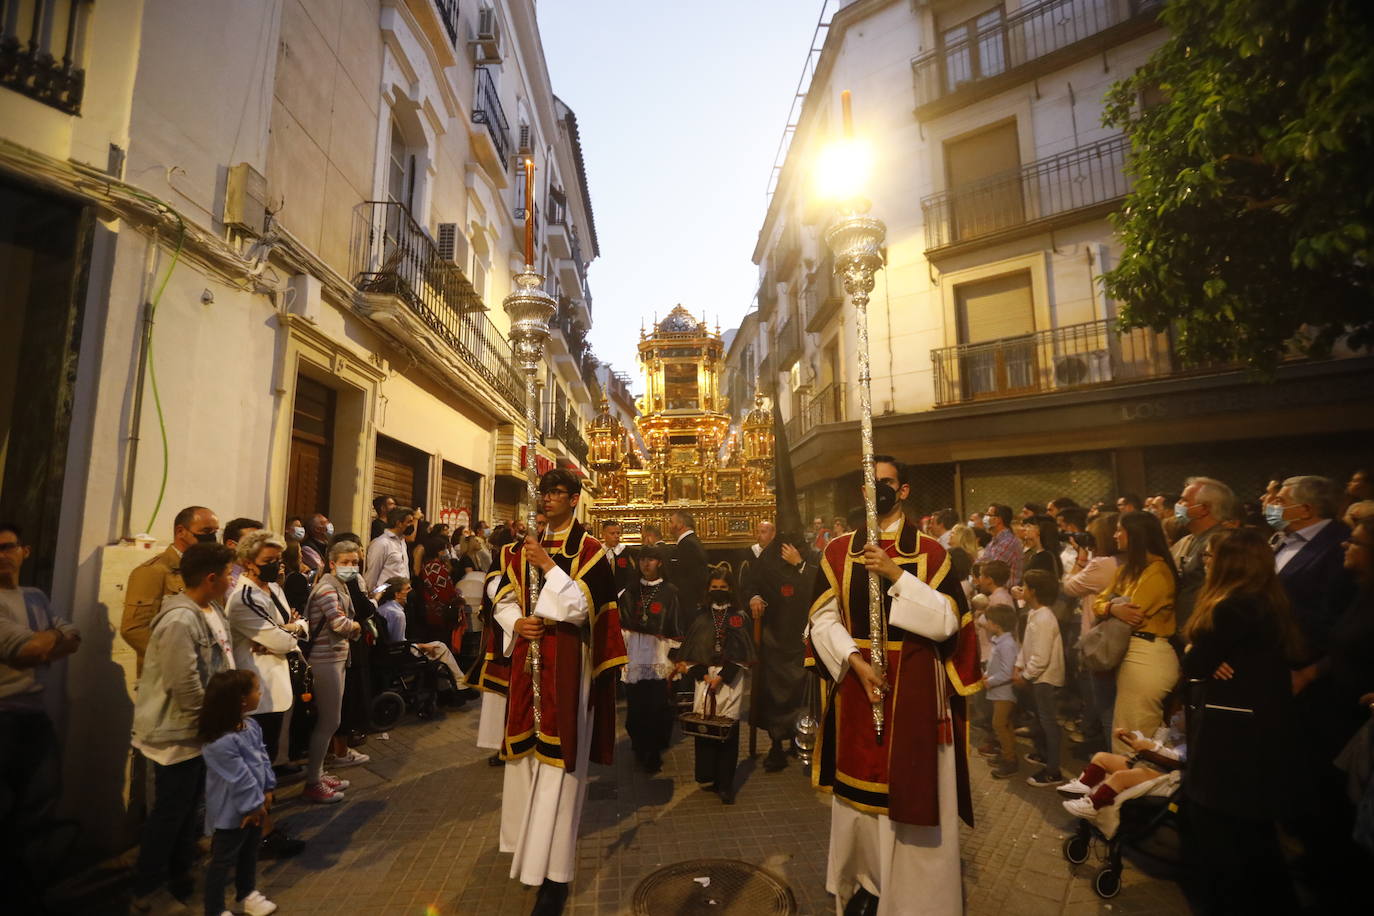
x=680, y=106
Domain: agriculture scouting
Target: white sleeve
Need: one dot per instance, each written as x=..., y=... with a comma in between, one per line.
x=831, y=639
x=920, y=609
x=562, y=599
x=506, y=613
x=1039, y=643
x=375, y=561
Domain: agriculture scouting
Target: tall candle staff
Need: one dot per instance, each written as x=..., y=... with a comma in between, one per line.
x=857, y=241
x=530, y=309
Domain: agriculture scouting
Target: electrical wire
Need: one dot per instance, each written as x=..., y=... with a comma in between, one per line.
x=152, y=362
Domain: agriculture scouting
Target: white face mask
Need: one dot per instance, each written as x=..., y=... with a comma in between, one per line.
x=346, y=573
x=987, y=521
x=329, y=530
x=298, y=534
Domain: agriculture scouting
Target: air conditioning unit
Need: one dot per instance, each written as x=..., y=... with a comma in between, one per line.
x=452, y=244
x=1091, y=368
x=486, y=37
x=526, y=139
x=245, y=199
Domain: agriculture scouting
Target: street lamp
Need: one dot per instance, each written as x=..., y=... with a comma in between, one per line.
x=857, y=240
x=530, y=309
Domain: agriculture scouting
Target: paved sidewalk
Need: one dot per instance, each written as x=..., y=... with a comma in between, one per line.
x=418, y=835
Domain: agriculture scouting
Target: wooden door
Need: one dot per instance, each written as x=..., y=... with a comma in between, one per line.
x=312, y=450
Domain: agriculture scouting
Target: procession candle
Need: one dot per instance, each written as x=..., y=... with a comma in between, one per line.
x=529, y=211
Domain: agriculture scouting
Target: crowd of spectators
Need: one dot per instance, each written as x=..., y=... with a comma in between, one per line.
x=1255, y=619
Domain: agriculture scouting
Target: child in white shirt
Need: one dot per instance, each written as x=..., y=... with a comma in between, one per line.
x=1040, y=672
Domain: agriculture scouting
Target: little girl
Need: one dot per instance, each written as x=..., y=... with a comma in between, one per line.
x=238, y=790
x=718, y=646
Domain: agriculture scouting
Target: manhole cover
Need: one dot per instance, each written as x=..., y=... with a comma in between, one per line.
x=713, y=886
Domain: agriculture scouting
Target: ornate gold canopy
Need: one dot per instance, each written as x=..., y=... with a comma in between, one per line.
x=692, y=460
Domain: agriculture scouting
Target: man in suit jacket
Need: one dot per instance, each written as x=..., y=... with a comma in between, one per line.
x=624, y=559
x=1309, y=557
x=689, y=568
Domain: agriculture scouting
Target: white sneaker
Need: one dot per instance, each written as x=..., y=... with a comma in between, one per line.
x=1081, y=807
x=255, y=904
x=351, y=759
x=1075, y=787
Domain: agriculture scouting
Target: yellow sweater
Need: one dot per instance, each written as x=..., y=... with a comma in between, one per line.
x=1153, y=591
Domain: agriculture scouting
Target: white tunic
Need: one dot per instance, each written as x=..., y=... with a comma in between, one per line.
x=911, y=869
x=728, y=698
x=541, y=805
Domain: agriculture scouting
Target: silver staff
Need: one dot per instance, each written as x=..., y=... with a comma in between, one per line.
x=857, y=242
x=530, y=309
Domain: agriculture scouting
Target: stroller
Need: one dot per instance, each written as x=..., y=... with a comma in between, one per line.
x=1142, y=813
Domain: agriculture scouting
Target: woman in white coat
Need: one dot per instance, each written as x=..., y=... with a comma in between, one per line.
x=264, y=630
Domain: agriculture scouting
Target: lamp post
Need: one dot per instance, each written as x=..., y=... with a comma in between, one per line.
x=530, y=309
x=857, y=241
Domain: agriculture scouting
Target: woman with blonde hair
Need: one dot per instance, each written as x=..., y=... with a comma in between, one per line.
x=1142, y=595
x=1242, y=639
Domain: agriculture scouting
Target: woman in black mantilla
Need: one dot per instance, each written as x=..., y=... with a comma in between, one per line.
x=718, y=647
x=649, y=620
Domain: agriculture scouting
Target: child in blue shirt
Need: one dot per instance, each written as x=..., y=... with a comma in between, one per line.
x=238, y=790
x=1001, y=624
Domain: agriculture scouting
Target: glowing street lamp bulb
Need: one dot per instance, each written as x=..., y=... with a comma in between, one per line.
x=842, y=170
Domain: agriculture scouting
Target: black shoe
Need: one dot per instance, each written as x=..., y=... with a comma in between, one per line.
x=550, y=899
x=707, y=786
x=288, y=772
x=727, y=798
x=776, y=759
x=280, y=845
x=653, y=764
x=1035, y=758
x=495, y=760
x=861, y=904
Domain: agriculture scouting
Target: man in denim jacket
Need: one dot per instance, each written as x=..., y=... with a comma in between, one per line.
x=189, y=645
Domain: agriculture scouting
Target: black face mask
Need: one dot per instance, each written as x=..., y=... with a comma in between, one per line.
x=205, y=537
x=269, y=572
x=410, y=531
x=887, y=499
x=719, y=596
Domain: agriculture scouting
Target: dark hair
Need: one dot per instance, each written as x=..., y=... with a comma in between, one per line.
x=186, y=516
x=293, y=518
x=13, y=529
x=722, y=572
x=1103, y=531
x=291, y=557
x=650, y=529
x=397, y=515
x=1002, y=512
x=1035, y=508
x=1074, y=515
x=996, y=570
x=1049, y=531
x=500, y=538
x=1003, y=615
x=235, y=527
x=609, y=522
x=1133, y=499
x=201, y=560
x=1064, y=502
x=1043, y=583
x=560, y=477
x=1144, y=536
x=341, y=536
x=947, y=518
x=1242, y=564
x=434, y=545
x=393, y=588
x=379, y=504
x=959, y=562
x=221, y=710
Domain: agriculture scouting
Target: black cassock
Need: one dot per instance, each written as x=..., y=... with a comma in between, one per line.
x=779, y=687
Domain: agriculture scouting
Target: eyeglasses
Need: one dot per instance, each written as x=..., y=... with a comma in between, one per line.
x=10, y=545
x=554, y=491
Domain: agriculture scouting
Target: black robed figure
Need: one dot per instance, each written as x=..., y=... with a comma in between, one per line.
x=650, y=617
x=774, y=584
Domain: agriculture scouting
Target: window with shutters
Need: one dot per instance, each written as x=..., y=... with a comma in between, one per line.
x=400, y=472
x=983, y=181
x=997, y=311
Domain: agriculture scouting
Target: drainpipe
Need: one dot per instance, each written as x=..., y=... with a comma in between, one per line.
x=149, y=282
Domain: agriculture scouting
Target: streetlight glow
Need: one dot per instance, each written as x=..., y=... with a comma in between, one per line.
x=842, y=170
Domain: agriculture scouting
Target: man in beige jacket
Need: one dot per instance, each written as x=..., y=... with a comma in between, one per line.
x=161, y=576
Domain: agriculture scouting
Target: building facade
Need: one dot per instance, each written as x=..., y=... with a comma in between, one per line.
x=996, y=367
x=266, y=277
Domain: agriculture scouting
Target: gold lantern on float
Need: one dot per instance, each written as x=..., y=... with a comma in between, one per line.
x=758, y=434
x=606, y=453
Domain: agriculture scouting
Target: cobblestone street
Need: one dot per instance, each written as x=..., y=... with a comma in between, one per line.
x=418, y=835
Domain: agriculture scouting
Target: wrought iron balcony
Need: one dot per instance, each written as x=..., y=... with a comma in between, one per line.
x=827, y=405
x=824, y=296
x=787, y=346
x=1034, y=39
x=392, y=254
x=768, y=295
x=448, y=12
x=487, y=110
x=32, y=34
x=1058, y=188
x=1086, y=355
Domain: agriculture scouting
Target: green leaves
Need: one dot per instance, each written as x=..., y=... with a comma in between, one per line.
x=1252, y=212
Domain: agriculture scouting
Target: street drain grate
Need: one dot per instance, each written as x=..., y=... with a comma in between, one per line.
x=718, y=887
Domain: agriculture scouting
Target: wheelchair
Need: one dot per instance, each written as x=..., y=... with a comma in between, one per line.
x=405, y=678
x=1141, y=819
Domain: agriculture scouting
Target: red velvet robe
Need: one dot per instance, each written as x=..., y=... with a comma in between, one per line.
x=925, y=706
x=492, y=671
x=584, y=560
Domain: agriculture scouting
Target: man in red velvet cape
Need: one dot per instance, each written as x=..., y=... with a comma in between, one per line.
x=895, y=807
x=491, y=673
x=578, y=628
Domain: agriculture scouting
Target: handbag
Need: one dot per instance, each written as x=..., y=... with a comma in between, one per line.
x=1104, y=646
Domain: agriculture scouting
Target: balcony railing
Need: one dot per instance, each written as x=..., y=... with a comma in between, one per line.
x=1086, y=355
x=572, y=439
x=448, y=12
x=391, y=254
x=32, y=35
x=768, y=294
x=1052, y=33
x=787, y=346
x=1081, y=179
x=486, y=109
x=827, y=406
x=824, y=296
